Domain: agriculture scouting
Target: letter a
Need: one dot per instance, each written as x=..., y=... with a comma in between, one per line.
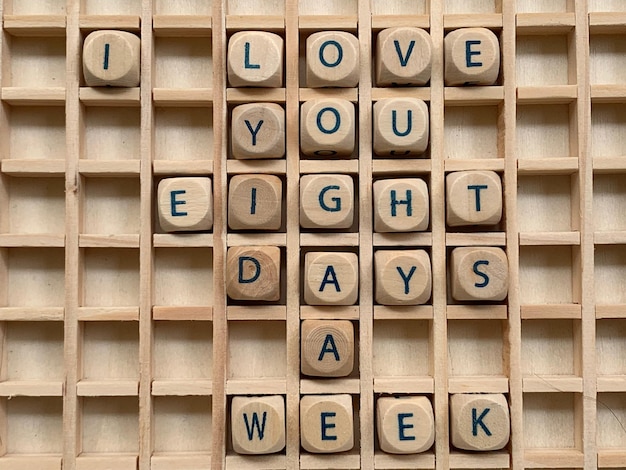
x=330, y=278
x=329, y=347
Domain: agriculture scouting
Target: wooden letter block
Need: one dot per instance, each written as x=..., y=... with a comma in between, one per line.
x=332, y=59
x=326, y=201
x=479, y=422
x=258, y=131
x=255, y=202
x=255, y=58
x=403, y=56
x=472, y=57
x=405, y=425
x=258, y=424
x=400, y=127
x=403, y=277
x=326, y=423
x=331, y=278
x=111, y=58
x=185, y=204
x=479, y=273
x=253, y=273
x=327, y=348
x=473, y=198
x=327, y=128
x=401, y=205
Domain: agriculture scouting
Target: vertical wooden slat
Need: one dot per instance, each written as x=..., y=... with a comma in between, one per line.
x=145, y=239
x=437, y=194
x=220, y=325
x=514, y=328
x=292, y=50
x=366, y=265
x=4, y=226
x=73, y=134
x=583, y=130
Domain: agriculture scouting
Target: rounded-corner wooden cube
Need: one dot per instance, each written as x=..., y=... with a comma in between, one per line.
x=472, y=57
x=185, y=204
x=401, y=205
x=403, y=277
x=331, y=278
x=255, y=202
x=401, y=127
x=326, y=201
x=112, y=58
x=479, y=273
x=327, y=128
x=326, y=423
x=405, y=425
x=473, y=198
x=332, y=59
x=479, y=422
x=403, y=56
x=253, y=273
x=258, y=424
x=255, y=59
x=327, y=348
x=258, y=131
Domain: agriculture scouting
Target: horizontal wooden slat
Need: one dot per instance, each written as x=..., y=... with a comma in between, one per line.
x=31, y=388
x=553, y=458
x=110, y=96
x=108, y=313
x=183, y=167
x=42, y=96
x=265, y=386
x=121, y=22
x=197, y=387
x=108, y=241
x=478, y=384
x=601, y=22
x=32, y=313
x=404, y=385
x=476, y=312
x=31, y=462
x=321, y=386
x=35, y=25
x=182, y=240
x=275, y=167
x=256, y=312
x=89, y=461
x=556, y=94
x=255, y=22
x=384, y=461
x=182, y=25
x=107, y=388
x=332, y=312
x=491, y=164
x=548, y=166
x=264, y=239
x=243, y=462
x=408, y=239
x=36, y=240
x=476, y=239
x=109, y=168
x=473, y=96
x=403, y=312
x=345, y=461
x=184, y=97
x=552, y=383
x=549, y=238
x=34, y=167
x=484, y=460
x=482, y=20
x=422, y=93
x=395, y=21
x=611, y=383
x=252, y=95
x=182, y=313
x=551, y=311
x=180, y=461
x=327, y=22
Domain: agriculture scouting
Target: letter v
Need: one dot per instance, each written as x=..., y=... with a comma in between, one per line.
x=403, y=60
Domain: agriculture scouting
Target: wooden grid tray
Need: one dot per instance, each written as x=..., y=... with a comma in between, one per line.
x=119, y=347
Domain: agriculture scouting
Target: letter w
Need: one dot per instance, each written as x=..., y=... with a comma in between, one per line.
x=255, y=422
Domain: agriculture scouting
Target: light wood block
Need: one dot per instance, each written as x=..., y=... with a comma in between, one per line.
x=111, y=58
x=400, y=127
x=255, y=202
x=473, y=198
x=405, y=425
x=403, y=277
x=479, y=422
x=258, y=131
x=327, y=348
x=331, y=278
x=255, y=58
x=253, y=273
x=403, y=56
x=326, y=423
x=326, y=201
x=472, y=57
x=332, y=60
x=185, y=204
x=327, y=128
x=401, y=205
x=479, y=273
x=258, y=424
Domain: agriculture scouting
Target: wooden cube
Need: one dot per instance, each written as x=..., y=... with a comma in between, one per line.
x=255, y=202
x=479, y=422
x=255, y=58
x=111, y=58
x=479, y=273
x=185, y=204
x=332, y=59
x=405, y=425
x=401, y=205
x=473, y=198
x=258, y=424
x=326, y=423
x=472, y=57
x=331, y=278
x=327, y=128
x=400, y=127
x=258, y=131
x=403, y=277
x=403, y=56
x=253, y=273
x=326, y=201
x=327, y=348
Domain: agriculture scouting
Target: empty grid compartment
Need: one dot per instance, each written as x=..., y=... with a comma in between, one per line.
x=35, y=62
x=110, y=350
x=33, y=351
x=36, y=277
x=111, y=133
x=183, y=62
x=34, y=425
x=546, y=275
x=257, y=349
x=472, y=132
x=37, y=132
x=182, y=350
x=546, y=204
x=607, y=59
x=609, y=202
x=111, y=206
x=36, y=205
x=545, y=60
x=543, y=131
x=475, y=348
x=607, y=124
x=550, y=347
x=183, y=134
x=401, y=348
